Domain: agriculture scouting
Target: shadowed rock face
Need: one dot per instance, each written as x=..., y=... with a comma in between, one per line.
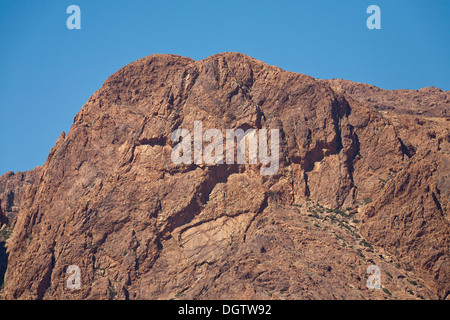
x=356, y=186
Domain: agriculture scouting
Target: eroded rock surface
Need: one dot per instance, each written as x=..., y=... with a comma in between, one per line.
x=357, y=185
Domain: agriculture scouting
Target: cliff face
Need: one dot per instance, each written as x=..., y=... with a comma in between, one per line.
x=12, y=188
x=354, y=187
x=430, y=102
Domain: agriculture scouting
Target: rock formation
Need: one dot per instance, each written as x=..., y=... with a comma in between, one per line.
x=363, y=180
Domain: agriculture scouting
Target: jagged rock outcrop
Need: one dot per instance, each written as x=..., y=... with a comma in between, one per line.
x=110, y=200
x=410, y=218
x=430, y=102
x=12, y=188
x=3, y=218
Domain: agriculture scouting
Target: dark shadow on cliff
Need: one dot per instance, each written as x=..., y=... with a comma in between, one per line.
x=3, y=262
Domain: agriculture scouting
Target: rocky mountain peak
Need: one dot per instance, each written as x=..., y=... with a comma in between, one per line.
x=362, y=179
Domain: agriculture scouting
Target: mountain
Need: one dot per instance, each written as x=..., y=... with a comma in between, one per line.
x=362, y=180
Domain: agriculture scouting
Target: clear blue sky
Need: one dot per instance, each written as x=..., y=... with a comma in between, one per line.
x=47, y=72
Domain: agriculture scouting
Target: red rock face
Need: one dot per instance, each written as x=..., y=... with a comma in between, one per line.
x=430, y=102
x=12, y=188
x=357, y=185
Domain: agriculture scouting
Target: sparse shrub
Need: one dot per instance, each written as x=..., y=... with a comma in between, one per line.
x=5, y=233
x=314, y=215
x=360, y=253
x=366, y=244
x=112, y=292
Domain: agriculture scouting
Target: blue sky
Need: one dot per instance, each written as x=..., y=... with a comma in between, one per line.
x=47, y=72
